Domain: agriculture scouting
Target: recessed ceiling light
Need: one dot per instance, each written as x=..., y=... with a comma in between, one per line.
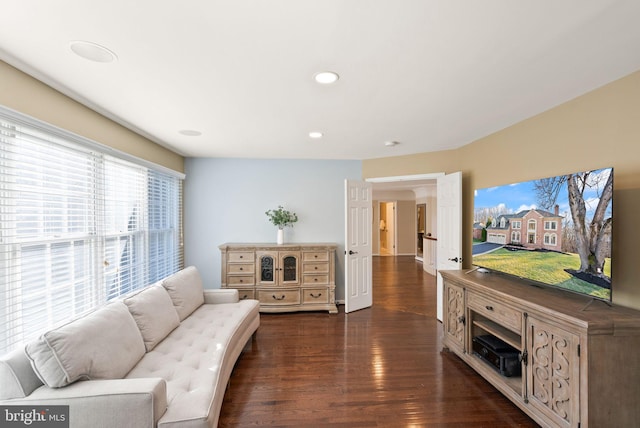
x=315, y=134
x=391, y=143
x=326, y=77
x=92, y=51
x=190, y=132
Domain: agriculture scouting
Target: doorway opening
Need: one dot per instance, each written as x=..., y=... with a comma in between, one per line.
x=421, y=225
x=387, y=228
x=410, y=201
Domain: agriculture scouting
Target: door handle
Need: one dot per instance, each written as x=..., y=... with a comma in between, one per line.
x=351, y=253
x=455, y=259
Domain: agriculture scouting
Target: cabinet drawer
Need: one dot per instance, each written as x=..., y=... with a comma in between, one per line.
x=315, y=268
x=240, y=256
x=315, y=295
x=315, y=279
x=240, y=280
x=279, y=297
x=240, y=267
x=318, y=256
x=246, y=294
x=502, y=314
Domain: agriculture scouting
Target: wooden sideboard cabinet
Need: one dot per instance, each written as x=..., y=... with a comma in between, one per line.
x=578, y=357
x=284, y=278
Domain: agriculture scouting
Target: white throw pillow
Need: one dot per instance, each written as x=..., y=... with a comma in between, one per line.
x=185, y=289
x=104, y=344
x=154, y=313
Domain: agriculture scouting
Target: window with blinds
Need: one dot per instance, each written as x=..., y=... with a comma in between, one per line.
x=80, y=226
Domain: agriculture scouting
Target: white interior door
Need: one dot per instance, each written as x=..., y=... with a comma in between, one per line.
x=449, y=248
x=391, y=225
x=358, y=223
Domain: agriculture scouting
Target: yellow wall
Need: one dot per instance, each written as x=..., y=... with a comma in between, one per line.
x=406, y=227
x=598, y=129
x=23, y=93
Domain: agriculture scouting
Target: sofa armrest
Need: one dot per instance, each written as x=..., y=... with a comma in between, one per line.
x=221, y=295
x=105, y=403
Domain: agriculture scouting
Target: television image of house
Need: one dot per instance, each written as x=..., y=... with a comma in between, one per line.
x=532, y=229
x=479, y=232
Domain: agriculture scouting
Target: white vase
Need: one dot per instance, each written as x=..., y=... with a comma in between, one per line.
x=280, y=240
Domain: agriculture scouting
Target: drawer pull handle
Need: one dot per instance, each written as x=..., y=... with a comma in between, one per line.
x=316, y=256
x=278, y=298
x=315, y=279
x=489, y=308
x=241, y=257
x=242, y=280
x=316, y=268
x=244, y=297
x=315, y=296
x=241, y=268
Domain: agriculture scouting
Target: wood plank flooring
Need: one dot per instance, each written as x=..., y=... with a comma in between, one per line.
x=378, y=367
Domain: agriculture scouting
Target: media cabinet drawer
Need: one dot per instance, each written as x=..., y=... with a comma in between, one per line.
x=279, y=297
x=244, y=294
x=315, y=295
x=240, y=280
x=315, y=268
x=315, y=256
x=315, y=279
x=236, y=268
x=240, y=256
x=502, y=314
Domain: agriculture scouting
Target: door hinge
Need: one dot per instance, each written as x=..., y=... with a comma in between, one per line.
x=578, y=355
x=524, y=357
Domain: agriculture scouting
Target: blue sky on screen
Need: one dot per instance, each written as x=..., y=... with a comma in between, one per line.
x=521, y=196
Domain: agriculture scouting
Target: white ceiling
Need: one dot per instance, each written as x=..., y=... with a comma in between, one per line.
x=430, y=74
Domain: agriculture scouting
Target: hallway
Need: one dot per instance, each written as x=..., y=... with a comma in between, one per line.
x=382, y=366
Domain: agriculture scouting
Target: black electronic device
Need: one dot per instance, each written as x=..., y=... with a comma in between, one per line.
x=499, y=354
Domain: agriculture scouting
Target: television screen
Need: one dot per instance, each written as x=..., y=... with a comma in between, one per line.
x=554, y=231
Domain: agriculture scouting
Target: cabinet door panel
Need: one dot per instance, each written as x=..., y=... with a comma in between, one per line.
x=454, y=316
x=553, y=375
x=289, y=269
x=266, y=267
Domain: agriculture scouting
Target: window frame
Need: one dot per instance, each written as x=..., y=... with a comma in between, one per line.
x=83, y=288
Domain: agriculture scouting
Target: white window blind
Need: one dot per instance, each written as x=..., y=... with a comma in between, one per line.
x=79, y=226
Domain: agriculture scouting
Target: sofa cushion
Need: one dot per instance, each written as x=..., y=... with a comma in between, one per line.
x=16, y=376
x=196, y=360
x=185, y=289
x=104, y=344
x=154, y=313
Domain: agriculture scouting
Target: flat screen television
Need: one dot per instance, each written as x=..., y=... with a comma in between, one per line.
x=554, y=231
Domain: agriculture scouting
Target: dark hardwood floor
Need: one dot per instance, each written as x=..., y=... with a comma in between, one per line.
x=378, y=367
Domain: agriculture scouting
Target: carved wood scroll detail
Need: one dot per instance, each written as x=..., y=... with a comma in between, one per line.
x=551, y=368
x=455, y=313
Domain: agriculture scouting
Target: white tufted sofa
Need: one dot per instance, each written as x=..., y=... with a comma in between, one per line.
x=160, y=357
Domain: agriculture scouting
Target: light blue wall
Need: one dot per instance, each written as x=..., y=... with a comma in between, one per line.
x=225, y=201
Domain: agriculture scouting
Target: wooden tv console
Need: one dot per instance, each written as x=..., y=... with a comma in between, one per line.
x=580, y=358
